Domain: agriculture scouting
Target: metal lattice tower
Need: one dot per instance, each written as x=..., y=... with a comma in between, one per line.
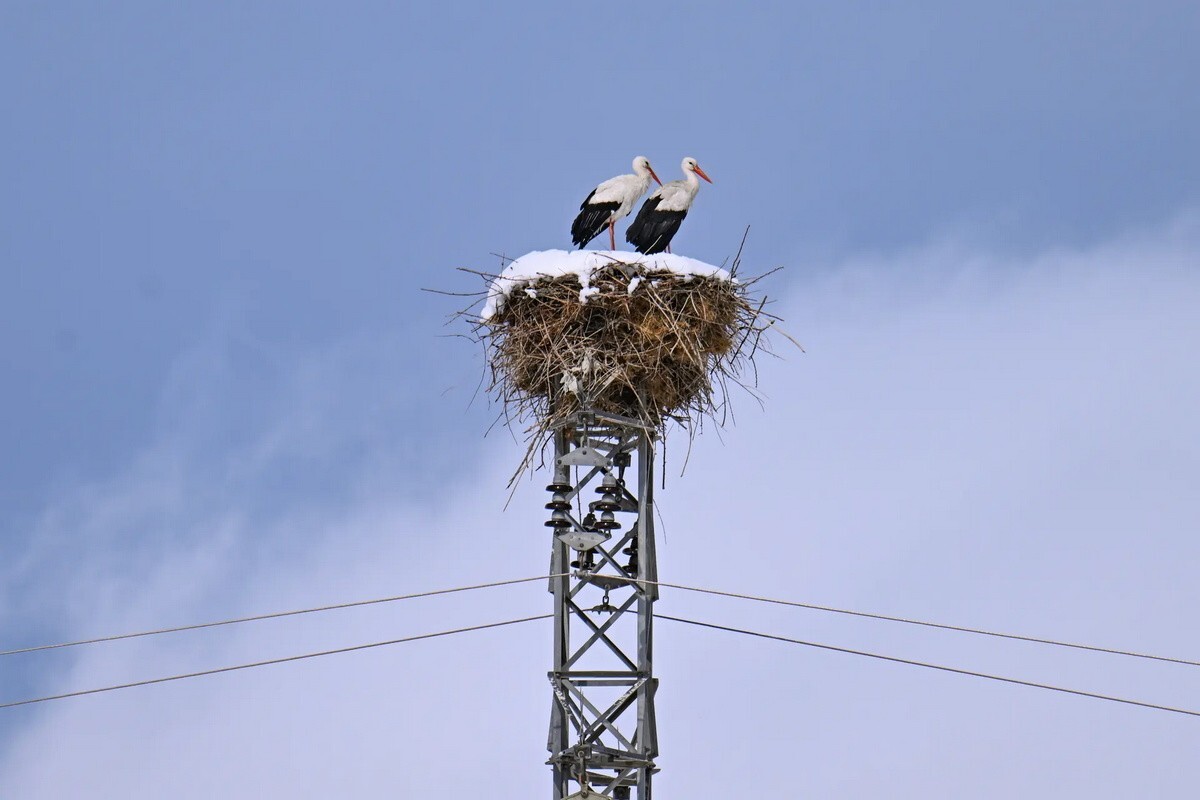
x=603, y=737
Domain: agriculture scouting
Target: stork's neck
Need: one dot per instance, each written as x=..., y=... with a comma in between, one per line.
x=693, y=183
x=643, y=176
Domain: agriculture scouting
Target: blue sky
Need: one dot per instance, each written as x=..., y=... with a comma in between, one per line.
x=293, y=171
x=215, y=355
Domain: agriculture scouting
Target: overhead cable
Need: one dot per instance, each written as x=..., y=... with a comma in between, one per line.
x=684, y=587
x=274, y=615
x=910, y=662
x=927, y=624
x=284, y=660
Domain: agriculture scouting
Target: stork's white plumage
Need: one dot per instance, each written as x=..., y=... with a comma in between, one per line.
x=663, y=212
x=610, y=201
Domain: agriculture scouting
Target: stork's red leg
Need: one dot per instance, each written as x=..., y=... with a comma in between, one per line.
x=612, y=234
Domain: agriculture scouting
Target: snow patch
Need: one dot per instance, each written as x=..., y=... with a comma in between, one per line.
x=526, y=271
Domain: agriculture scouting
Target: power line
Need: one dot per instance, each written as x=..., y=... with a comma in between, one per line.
x=924, y=623
x=274, y=615
x=697, y=623
x=273, y=661
x=684, y=587
x=927, y=665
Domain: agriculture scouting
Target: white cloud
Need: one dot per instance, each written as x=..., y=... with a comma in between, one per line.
x=1008, y=444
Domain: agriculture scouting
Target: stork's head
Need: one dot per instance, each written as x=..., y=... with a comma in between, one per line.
x=689, y=165
x=641, y=166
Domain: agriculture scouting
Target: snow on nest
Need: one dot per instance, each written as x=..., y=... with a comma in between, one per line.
x=527, y=270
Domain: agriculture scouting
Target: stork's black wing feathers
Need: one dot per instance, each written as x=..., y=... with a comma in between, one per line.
x=591, y=220
x=652, y=229
x=636, y=228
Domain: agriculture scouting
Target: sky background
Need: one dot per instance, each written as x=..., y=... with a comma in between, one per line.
x=224, y=393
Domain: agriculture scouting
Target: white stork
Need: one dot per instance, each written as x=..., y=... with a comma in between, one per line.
x=610, y=201
x=663, y=212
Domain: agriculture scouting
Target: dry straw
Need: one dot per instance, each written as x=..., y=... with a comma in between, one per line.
x=652, y=345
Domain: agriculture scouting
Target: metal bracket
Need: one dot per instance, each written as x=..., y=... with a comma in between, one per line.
x=584, y=457
x=584, y=540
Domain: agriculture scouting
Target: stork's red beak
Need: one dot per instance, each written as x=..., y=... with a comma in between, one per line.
x=652, y=175
x=700, y=172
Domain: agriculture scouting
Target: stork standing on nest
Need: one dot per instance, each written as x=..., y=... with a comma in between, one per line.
x=663, y=212
x=609, y=202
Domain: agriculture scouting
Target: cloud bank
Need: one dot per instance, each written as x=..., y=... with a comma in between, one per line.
x=1003, y=443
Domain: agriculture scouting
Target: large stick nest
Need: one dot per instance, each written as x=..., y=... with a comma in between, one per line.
x=655, y=346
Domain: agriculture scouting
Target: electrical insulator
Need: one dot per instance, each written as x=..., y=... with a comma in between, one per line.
x=559, y=506
x=632, y=552
x=610, y=501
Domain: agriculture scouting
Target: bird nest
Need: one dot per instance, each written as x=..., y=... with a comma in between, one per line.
x=626, y=339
